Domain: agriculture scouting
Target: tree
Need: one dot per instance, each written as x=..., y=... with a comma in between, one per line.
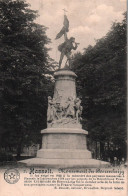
x=23, y=64
x=101, y=82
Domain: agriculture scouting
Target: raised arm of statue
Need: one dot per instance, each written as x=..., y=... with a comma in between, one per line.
x=75, y=47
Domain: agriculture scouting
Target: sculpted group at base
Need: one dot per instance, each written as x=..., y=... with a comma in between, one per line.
x=69, y=112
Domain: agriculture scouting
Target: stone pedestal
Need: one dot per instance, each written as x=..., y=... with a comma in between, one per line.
x=64, y=141
x=64, y=144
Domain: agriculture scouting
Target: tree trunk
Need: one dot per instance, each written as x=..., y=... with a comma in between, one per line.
x=19, y=148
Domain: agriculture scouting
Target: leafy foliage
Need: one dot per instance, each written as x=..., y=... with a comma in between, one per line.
x=23, y=64
x=101, y=83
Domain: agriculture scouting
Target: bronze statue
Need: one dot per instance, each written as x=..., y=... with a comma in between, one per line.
x=65, y=49
x=68, y=45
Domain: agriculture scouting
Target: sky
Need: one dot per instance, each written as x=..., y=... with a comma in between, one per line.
x=89, y=20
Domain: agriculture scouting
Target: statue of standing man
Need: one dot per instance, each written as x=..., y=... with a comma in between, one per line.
x=68, y=45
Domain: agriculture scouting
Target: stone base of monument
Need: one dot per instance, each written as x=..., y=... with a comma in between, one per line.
x=64, y=148
x=64, y=163
x=64, y=141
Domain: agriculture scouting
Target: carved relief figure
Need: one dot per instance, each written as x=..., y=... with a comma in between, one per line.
x=58, y=110
x=78, y=109
x=70, y=112
x=51, y=109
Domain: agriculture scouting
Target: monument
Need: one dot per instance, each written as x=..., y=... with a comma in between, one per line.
x=64, y=141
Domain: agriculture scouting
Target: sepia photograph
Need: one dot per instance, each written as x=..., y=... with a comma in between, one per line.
x=63, y=94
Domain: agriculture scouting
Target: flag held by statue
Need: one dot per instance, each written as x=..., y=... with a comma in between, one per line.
x=64, y=29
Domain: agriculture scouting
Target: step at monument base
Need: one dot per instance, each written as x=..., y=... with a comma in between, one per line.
x=64, y=163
